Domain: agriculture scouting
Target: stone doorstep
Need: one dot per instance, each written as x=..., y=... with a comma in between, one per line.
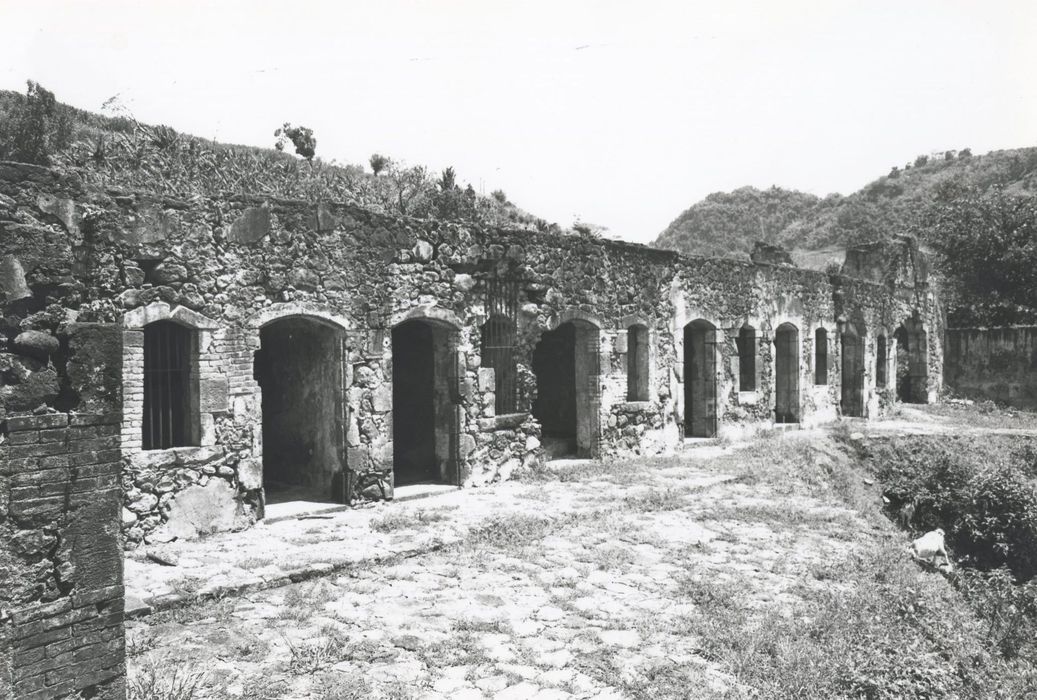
x=138, y=607
x=306, y=509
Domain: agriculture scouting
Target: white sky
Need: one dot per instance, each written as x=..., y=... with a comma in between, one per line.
x=621, y=114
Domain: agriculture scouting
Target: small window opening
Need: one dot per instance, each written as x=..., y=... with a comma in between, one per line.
x=498, y=352
x=820, y=356
x=747, y=359
x=168, y=359
x=880, y=362
x=637, y=363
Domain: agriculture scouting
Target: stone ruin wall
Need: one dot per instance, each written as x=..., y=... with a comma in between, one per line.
x=996, y=364
x=227, y=266
x=61, y=593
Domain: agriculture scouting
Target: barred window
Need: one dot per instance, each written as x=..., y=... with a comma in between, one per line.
x=747, y=359
x=168, y=419
x=498, y=352
x=637, y=363
x=820, y=356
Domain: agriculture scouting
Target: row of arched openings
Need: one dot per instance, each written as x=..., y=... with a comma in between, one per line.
x=302, y=365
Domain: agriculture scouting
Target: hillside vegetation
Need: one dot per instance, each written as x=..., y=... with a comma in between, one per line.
x=118, y=151
x=976, y=213
x=729, y=223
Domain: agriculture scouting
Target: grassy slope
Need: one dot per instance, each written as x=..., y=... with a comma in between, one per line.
x=119, y=152
x=880, y=209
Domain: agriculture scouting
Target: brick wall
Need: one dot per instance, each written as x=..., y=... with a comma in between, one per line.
x=61, y=592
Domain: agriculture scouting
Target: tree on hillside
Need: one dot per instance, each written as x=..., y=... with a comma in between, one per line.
x=300, y=136
x=379, y=163
x=35, y=128
x=987, y=244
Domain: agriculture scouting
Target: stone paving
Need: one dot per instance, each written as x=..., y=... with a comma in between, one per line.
x=588, y=583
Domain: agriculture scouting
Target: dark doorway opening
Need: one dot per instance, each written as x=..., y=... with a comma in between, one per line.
x=852, y=403
x=566, y=364
x=424, y=394
x=700, y=379
x=786, y=374
x=912, y=362
x=299, y=368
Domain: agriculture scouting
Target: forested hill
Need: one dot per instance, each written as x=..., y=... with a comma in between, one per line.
x=728, y=224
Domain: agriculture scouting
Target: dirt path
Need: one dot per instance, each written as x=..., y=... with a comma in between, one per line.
x=599, y=582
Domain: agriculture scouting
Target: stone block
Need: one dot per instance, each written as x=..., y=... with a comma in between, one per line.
x=464, y=282
x=169, y=273
x=358, y=458
x=621, y=342
x=201, y=510
x=12, y=279
x=214, y=395
x=381, y=399
x=252, y=226
x=352, y=431
x=422, y=251
x=250, y=473
x=64, y=210
x=36, y=344
x=466, y=445
x=487, y=379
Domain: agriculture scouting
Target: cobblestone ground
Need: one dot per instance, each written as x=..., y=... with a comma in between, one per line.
x=594, y=582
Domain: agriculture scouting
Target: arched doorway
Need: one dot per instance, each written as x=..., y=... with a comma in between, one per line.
x=566, y=364
x=299, y=369
x=786, y=374
x=912, y=362
x=700, y=379
x=425, y=396
x=852, y=352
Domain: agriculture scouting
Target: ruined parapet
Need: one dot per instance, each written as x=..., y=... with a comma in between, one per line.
x=897, y=262
x=61, y=590
x=769, y=254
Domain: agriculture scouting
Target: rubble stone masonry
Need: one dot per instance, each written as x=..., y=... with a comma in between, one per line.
x=231, y=269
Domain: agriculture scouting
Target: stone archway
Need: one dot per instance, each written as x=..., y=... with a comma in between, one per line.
x=566, y=362
x=786, y=374
x=852, y=352
x=912, y=362
x=425, y=396
x=299, y=369
x=700, y=379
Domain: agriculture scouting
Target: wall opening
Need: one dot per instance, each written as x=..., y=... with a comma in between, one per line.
x=700, y=379
x=912, y=363
x=637, y=363
x=852, y=403
x=746, y=358
x=425, y=398
x=821, y=356
x=881, y=361
x=299, y=370
x=170, y=417
x=566, y=363
x=786, y=374
x=498, y=351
